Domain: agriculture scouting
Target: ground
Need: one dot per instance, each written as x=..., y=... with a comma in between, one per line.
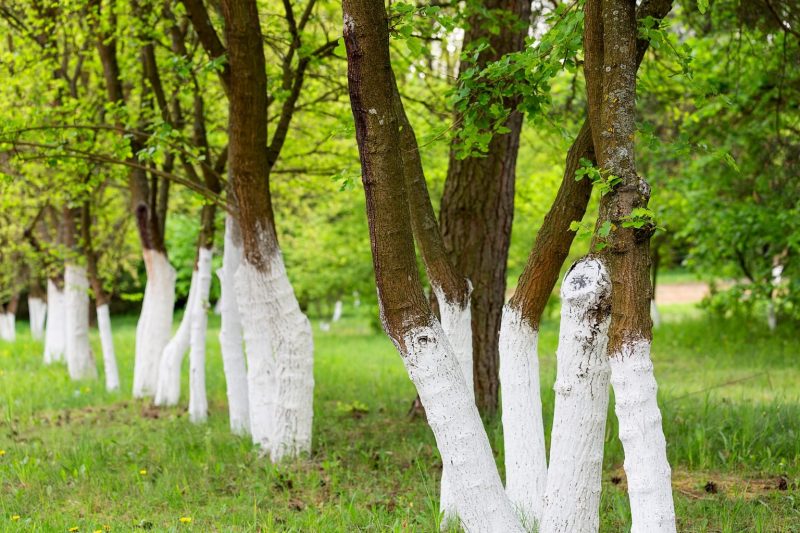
x=72, y=455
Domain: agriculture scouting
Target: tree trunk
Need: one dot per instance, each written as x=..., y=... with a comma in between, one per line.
x=230, y=332
x=452, y=290
x=101, y=301
x=168, y=392
x=55, y=334
x=154, y=327
x=406, y=316
x=37, y=314
x=626, y=255
x=277, y=334
x=478, y=208
x=198, y=402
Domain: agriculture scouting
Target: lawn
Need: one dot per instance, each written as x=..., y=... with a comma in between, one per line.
x=76, y=456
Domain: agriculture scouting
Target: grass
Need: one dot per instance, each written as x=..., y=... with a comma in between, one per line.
x=76, y=456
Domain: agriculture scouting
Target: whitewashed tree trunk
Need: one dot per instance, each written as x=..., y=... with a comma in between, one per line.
x=80, y=361
x=456, y=321
x=154, y=328
x=107, y=344
x=268, y=298
x=646, y=465
x=37, y=314
x=8, y=329
x=251, y=289
x=168, y=392
x=230, y=332
x=523, y=428
x=572, y=498
x=54, y=336
x=772, y=317
x=480, y=501
x=198, y=402
x=337, y=311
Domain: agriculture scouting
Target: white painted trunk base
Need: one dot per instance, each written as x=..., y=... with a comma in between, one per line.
x=107, y=344
x=646, y=466
x=154, y=328
x=523, y=428
x=572, y=498
x=80, y=361
x=282, y=357
x=230, y=332
x=456, y=321
x=337, y=311
x=198, y=401
x=8, y=327
x=480, y=501
x=37, y=314
x=168, y=392
x=55, y=331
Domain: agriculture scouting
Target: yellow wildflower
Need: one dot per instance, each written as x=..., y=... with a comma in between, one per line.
x=15, y=517
x=186, y=520
x=2, y=453
x=74, y=529
x=143, y=472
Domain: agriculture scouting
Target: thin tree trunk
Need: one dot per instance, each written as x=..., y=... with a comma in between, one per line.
x=230, y=332
x=101, y=299
x=406, y=316
x=198, y=402
x=477, y=207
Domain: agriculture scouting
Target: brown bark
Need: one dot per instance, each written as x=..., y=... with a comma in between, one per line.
x=555, y=238
x=247, y=130
x=478, y=208
x=149, y=227
x=370, y=80
x=441, y=271
x=101, y=297
x=626, y=253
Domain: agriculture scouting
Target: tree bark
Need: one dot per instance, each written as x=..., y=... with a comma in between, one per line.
x=477, y=209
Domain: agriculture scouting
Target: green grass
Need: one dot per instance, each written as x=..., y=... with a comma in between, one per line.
x=74, y=453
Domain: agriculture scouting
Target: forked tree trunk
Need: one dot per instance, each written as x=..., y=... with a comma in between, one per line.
x=452, y=290
x=626, y=255
x=406, y=316
x=168, y=392
x=478, y=204
x=277, y=334
x=526, y=468
x=230, y=332
x=55, y=330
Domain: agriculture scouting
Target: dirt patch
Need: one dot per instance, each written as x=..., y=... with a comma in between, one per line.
x=700, y=485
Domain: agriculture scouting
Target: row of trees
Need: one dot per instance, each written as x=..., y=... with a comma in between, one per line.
x=117, y=114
